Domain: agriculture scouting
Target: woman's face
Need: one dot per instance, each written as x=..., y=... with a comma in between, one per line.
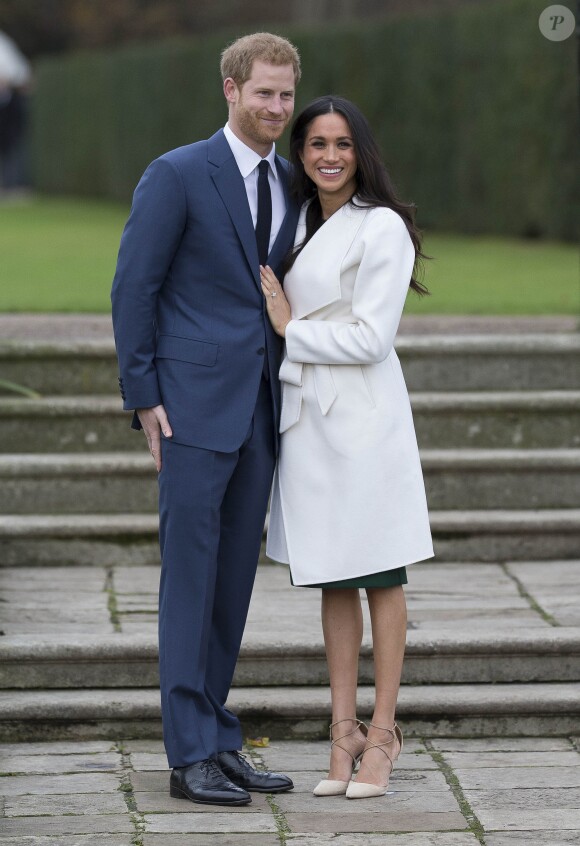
x=329, y=157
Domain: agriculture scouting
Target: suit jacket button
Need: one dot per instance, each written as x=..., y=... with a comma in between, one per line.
x=261, y=351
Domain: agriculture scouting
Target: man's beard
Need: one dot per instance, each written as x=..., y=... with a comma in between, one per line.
x=253, y=128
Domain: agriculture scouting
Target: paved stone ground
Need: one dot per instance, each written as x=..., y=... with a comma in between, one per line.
x=68, y=601
x=497, y=792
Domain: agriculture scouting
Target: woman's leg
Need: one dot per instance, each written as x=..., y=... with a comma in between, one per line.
x=342, y=625
x=388, y=611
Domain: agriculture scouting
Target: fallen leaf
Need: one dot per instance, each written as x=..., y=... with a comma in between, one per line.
x=261, y=742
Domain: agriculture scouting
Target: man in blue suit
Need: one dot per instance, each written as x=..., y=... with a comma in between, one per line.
x=198, y=364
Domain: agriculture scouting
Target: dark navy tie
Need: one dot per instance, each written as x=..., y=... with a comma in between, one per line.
x=264, y=221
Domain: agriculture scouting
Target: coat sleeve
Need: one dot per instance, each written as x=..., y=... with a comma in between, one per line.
x=380, y=288
x=148, y=245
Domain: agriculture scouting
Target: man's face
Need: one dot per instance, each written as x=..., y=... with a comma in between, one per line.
x=260, y=110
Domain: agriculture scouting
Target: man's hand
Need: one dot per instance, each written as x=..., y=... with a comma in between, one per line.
x=154, y=421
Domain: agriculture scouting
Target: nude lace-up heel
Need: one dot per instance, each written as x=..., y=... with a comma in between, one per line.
x=361, y=790
x=333, y=787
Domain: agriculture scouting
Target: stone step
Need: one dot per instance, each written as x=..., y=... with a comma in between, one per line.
x=511, y=479
x=490, y=362
x=61, y=366
x=131, y=539
x=80, y=483
x=494, y=419
x=430, y=362
x=516, y=710
x=533, y=654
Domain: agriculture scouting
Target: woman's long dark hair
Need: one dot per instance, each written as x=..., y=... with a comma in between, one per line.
x=374, y=185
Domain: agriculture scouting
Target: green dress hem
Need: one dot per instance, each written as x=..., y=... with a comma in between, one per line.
x=387, y=578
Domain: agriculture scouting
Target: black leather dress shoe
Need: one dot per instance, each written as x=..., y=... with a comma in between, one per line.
x=238, y=770
x=205, y=784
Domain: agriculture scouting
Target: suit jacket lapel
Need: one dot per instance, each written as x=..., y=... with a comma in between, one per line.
x=230, y=185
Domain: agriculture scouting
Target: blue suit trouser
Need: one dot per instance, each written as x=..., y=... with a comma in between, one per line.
x=212, y=508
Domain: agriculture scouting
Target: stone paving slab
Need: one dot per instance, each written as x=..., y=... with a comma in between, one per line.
x=81, y=579
x=141, y=624
x=475, y=760
x=145, y=761
x=223, y=821
x=530, y=838
x=69, y=763
x=151, y=746
x=161, y=802
x=378, y=821
x=531, y=819
x=450, y=838
x=86, y=824
x=149, y=782
x=60, y=747
x=507, y=778
x=51, y=784
x=55, y=627
x=439, y=621
x=500, y=744
x=71, y=840
x=217, y=839
x=54, y=805
x=527, y=797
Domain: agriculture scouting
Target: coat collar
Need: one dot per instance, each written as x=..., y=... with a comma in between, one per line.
x=230, y=185
x=314, y=280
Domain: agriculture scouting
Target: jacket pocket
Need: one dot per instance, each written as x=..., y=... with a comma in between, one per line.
x=187, y=349
x=368, y=385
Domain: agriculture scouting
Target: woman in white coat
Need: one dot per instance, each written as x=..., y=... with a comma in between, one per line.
x=348, y=504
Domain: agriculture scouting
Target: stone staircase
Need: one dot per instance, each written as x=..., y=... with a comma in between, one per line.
x=498, y=422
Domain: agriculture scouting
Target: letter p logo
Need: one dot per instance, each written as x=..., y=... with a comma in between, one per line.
x=557, y=23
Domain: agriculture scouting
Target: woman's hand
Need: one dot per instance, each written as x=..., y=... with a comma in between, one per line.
x=276, y=302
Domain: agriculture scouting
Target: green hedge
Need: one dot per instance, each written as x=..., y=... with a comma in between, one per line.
x=474, y=109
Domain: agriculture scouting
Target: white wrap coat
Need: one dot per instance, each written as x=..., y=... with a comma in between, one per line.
x=348, y=497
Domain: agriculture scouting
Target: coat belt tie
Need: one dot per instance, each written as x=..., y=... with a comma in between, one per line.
x=292, y=387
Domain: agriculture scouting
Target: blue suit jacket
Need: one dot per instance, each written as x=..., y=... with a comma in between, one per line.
x=189, y=316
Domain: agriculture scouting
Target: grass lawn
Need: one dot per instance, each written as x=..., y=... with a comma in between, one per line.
x=59, y=255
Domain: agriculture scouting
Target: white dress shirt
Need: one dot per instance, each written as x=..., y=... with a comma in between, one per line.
x=247, y=161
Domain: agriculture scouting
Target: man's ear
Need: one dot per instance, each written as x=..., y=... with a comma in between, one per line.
x=231, y=90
